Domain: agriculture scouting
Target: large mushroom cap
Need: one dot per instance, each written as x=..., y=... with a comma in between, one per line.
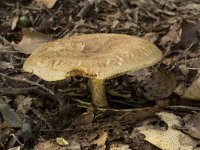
x=92, y=55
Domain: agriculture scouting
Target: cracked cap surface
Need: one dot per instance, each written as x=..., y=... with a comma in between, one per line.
x=99, y=56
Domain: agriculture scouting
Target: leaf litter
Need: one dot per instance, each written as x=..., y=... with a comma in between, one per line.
x=63, y=109
x=170, y=138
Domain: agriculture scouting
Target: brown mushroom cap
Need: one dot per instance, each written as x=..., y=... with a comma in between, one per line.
x=99, y=56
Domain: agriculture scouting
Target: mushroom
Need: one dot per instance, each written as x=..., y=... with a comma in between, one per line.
x=96, y=56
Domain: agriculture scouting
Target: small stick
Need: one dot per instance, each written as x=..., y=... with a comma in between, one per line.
x=125, y=4
x=5, y=41
x=29, y=82
x=82, y=102
x=16, y=91
x=26, y=91
x=136, y=110
x=184, y=108
x=89, y=4
x=25, y=7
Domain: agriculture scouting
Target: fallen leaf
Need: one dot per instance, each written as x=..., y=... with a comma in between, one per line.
x=189, y=33
x=47, y=145
x=191, y=7
x=119, y=146
x=173, y=36
x=15, y=148
x=192, y=125
x=151, y=36
x=14, y=22
x=169, y=139
x=115, y=93
x=161, y=85
x=23, y=104
x=6, y=65
x=11, y=118
x=61, y=141
x=102, y=139
x=192, y=92
x=184, y=69
x=112, y=2
x=48, y=3
x=155, y=84
x=85, y=118
x=180, y=89
x=31, y=40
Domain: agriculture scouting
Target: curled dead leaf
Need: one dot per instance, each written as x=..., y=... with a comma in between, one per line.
x=173, y=36
x=169, y=139
x=48, y=3
x=31, y=40
x=102, y=139
x=14, y=22
x=61, y=141
x=192, y=92
x=192, y=125
x=189, y=33
x=155, y=83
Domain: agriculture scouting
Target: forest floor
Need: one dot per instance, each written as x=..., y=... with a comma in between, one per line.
x=155, y=108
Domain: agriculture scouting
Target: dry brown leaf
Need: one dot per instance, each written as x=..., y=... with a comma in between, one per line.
x=161, y=85
x=115, y=93
x=151, y=36
x=155, y=84
x=85, y=118
x=112, y=2
x=170, y=139
x=118, y=146
x=15, y=148
x=14, y=22
x=31, y=40
x=23, y=104
x=11, y=118
x=192, y=92
x=180, y=89
x=173, y=36
x=48, y=145
x=101, y=140
x=192, y=125
x=192, y=6
x=189, y=33
x=184, y=69
x=6, y=65
x=48, y=3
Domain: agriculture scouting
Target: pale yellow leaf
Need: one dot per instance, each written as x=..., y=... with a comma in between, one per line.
x=48, y=3
x=31, y=40
x=102, y=139
x=61, y=141
x=170, y=139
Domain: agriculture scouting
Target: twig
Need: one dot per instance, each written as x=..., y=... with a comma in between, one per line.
x=26, y=7
x=29, y=82
x=26, y=91
x=184, y=108
x=4, y=40
x=82, y=102
x=16, y=91
x=125, y=4
x=2, y=50
x=136, y=110
x=89, y=4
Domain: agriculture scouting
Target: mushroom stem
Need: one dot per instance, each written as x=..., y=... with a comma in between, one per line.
x=97, y=87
